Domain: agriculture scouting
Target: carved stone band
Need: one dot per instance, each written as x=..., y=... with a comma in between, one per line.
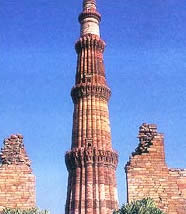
x=88, y=90
x=88, y=41
x=80, y=157
x=89, y=13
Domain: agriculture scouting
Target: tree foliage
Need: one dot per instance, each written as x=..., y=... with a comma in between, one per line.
x=144, y=206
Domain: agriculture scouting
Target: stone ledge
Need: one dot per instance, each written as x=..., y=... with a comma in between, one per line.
x=90, y=90
x=80, y=157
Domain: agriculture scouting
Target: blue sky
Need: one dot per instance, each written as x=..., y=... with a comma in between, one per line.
x=145, y=63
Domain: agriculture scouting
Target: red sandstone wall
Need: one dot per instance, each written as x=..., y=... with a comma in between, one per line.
x=180, y=176
x=17, y=187
x=17, y=183
x=148, y=175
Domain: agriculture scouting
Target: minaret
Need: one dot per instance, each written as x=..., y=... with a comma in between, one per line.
x=91, y=162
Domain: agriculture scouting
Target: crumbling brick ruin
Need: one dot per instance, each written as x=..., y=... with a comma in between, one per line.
x=149, y=176
x=17, y=183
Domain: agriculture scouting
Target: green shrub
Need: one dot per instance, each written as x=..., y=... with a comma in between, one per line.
x=20, y=211
x=144, y=206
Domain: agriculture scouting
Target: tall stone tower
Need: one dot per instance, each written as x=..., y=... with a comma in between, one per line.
x=91, y=162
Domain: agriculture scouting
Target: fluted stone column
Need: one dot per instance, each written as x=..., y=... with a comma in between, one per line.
x=91, y=162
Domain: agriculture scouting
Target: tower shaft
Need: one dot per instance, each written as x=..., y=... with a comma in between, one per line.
x=91, y=162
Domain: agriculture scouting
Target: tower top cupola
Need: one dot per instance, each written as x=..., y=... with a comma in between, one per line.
x=89, y=18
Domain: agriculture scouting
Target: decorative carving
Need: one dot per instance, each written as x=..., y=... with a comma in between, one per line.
x=87, y=90
x=89, y=13
x=90, y=41
x=14, y=152
x=146, y=134
x=79, y=157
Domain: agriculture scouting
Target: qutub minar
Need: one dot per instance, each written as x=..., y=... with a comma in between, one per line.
x=92, y=162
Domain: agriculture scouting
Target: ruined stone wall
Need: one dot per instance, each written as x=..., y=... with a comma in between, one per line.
x=17, y=183
x=148, y=175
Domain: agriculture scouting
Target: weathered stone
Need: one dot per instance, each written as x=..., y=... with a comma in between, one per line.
x=149, y=176
x=14, y=152
x=17, y=183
